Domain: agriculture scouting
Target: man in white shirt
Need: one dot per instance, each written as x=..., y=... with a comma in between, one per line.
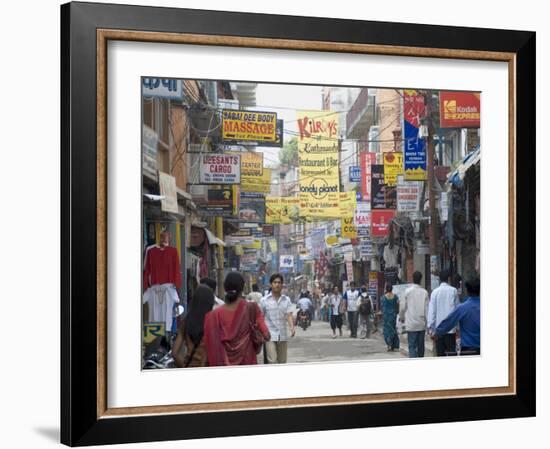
x=254, y=295
x=277, y=310
x=352, y=303
x=337, y=310
x=212, y=284
x=414, y=310
x=443, y=301
x=305, y=304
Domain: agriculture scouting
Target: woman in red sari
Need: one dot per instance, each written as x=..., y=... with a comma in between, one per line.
x=228, y=329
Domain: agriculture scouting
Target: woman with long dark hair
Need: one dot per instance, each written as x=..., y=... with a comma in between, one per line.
x=390, y=309
x=230, y=330
x=191, y=332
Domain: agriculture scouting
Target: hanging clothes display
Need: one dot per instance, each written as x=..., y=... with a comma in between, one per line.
x=162, y=266
x=161, y=300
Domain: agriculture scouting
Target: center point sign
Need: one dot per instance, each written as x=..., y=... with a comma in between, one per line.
x=220, y=169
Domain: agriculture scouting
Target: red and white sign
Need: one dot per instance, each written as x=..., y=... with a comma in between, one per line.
x=366, y=160
x=459, y=109
x=413, y=107
x=220, y=169
x=408, y=195
x=381, y=222
x=362, y=216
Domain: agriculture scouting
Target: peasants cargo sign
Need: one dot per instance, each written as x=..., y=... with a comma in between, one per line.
x=318, y=163
x=220, y=169
x=459, y=109
x=249, y=126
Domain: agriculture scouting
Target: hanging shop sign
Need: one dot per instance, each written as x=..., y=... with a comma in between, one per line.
x=354, y=173
x=348, y=228
x=408, y=195
x=393, y=167
x=248, y=126
x=378, y=189
x=167, y=185
x=220, y=169
x=381, y=222
x=257, y=183
x=252, y=207
x=249, y=261
x=366, y=161
x=162, y=88
x=318, y=163
x=349, y=270
x=219, y=203
x=267, y=230
x=459, y=109
x=331, y=240
x=286, y=261
x=252, y=162
x=273, y=245
x=390, y=197
x=149, y=144
x=348, y=203
x=414, y=148
x=362, y=216
x=281, y=210
x=153, y=330
x=279, y=138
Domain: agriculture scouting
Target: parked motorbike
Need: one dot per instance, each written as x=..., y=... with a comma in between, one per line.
x=157, y=353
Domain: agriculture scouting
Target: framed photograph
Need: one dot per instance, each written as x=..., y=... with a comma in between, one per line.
x=283, y=224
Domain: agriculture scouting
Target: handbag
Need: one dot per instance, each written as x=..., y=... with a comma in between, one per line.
x=256, y=335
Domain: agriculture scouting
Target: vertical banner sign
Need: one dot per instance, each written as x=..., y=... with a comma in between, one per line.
x=349, y=270
x=408, y=195
x=363, y=224
x=348, y=203
x=366, y=160
x=354, y=173
x=414, y=148
x=459, y=109
x=393, y=167
x=318, y=163
x=348, y=228
x=373, y=284
x=378, y=190
x=381, y=222
x=167, y=186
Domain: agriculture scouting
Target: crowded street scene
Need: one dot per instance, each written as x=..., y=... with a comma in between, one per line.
x=303, y=223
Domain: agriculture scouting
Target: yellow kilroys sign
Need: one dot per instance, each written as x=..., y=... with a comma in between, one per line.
x=318, y=148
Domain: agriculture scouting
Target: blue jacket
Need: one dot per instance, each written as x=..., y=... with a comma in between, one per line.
x=468, y=315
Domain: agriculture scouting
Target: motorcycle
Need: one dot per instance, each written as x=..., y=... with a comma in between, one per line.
x=158, y=352
x=303, y=319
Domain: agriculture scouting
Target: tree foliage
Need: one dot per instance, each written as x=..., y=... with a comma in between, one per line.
x=288, y=155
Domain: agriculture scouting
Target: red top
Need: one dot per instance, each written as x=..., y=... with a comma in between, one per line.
x=227, y=334
x=162, y=266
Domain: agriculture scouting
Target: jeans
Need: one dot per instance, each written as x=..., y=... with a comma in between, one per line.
x=353, y=323
x=416, y=343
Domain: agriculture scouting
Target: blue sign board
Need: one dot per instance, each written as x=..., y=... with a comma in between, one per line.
x=415, y=151
x=355, y=173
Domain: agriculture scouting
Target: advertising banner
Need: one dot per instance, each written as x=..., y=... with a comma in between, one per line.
x=459, y=109
x=281, y=210
x=252, y=163
x=318, y=163
x=257, y=183
x=408, y=195
x=348, y=204
x=390, y=196
x=366, y=160
x=362, y=217
x=378, y=189
x=167, y=185
x=349, y=270
x=393, y=167
x=286, y=261
x=220, y=169
x=252, y=207
x=381, y=222
x=249, y=126
x=414, y=147
x=354, y=173
x=348, y=228
x=219, y=203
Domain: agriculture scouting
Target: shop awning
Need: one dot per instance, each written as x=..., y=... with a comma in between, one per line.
x=212, y=239
x=471, y=159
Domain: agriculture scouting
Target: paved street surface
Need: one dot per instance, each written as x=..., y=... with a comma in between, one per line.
x=317, y=345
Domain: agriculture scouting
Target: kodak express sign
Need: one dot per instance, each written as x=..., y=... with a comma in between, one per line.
x=459, y=109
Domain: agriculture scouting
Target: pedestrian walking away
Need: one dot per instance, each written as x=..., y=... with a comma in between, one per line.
x=352, y=304
x=443, y=301
x=228, y=331
x=366, y=315
x=277, y=309
x=414, y=312
x=390, y=309
x=467, y=315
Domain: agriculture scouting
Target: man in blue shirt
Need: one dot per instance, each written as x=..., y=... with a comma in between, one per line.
x=468, y=316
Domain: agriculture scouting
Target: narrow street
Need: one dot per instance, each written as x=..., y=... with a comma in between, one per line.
x=317, y=345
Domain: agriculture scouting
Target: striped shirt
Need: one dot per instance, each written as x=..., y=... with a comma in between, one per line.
x=276, y=316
